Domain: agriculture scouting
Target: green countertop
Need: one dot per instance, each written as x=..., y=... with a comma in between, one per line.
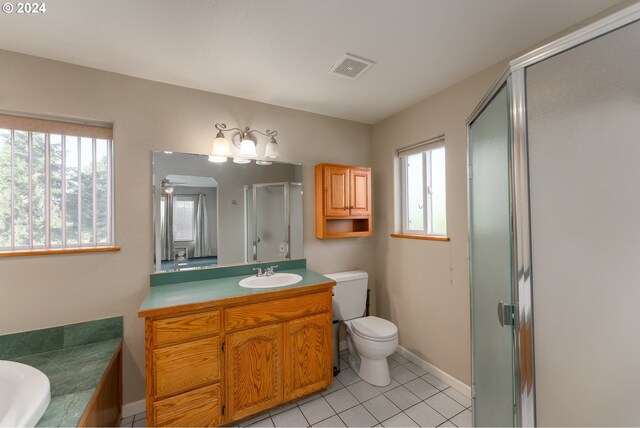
x=188, y=293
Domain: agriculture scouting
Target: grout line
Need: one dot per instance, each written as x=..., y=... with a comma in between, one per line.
x=462, y=404
x=436, y=410
x=345, y=424
x=414, y=421
x=458, y=414
x=302, y=413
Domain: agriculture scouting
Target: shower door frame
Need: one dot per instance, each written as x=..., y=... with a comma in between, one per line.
x=287, y=219
x=514, y=76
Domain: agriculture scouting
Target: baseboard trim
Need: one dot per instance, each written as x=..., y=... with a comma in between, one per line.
x=440, y=374
x=131, y=409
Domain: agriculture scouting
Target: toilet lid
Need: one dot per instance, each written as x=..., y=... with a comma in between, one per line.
x=374, y=327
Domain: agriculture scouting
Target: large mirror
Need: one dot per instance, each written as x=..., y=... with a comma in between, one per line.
x=219, y=214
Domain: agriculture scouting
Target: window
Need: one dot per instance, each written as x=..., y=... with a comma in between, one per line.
x=56, y=187
x=183, y=218
x=424, y=210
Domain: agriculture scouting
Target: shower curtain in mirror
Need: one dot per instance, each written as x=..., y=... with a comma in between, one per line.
x=165, y=248
x=201, y=228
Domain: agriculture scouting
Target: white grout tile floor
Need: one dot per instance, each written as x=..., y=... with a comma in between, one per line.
x=414, y=398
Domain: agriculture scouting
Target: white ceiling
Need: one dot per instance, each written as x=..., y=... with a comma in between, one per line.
x=280, y=51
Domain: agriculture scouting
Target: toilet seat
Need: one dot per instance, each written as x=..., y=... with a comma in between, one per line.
x=374, y=328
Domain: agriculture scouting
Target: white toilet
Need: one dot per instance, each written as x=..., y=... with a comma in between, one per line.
x=370, y=339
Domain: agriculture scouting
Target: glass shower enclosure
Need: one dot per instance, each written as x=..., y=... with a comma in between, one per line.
x=273, y=221
x=552, y=154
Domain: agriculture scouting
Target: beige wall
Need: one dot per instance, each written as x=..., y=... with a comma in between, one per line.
x=423, y=286
x=45, y=291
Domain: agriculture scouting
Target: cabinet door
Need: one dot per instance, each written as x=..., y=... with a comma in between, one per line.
x=360, y=194
x=336, y=191
x=254, y=369
x=308, y=355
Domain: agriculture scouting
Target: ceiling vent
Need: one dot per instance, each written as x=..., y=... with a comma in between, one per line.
x=351, y=66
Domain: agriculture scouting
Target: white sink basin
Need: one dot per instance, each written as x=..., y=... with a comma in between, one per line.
x=272, y=281
x=25, y=393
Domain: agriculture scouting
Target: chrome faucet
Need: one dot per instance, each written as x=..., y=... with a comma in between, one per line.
x=269, y=271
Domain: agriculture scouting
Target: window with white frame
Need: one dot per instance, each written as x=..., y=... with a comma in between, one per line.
x=424, y=200
x=184, y=216
x=56, y=188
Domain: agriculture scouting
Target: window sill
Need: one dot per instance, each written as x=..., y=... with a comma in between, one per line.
x=51, y=251
x=422, y=237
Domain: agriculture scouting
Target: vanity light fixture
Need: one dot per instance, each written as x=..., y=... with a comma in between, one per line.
x=245, y=142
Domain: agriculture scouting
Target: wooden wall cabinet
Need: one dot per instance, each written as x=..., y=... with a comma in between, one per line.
x=343, y=201
x=218, y=365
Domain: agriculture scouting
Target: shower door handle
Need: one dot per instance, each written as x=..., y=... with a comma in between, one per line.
x=506, y=313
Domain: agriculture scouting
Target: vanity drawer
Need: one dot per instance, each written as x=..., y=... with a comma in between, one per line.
x=198, y=408
x=186, y=327
x=186, y=366
x=270, y=311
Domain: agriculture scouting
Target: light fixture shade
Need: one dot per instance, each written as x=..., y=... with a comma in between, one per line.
x=221, y=147
x=240, y=160
x=168, y=190
x=271, y=151
x=217, y=159
x=248, y=148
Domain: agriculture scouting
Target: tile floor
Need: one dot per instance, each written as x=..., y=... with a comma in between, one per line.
x=414, y=398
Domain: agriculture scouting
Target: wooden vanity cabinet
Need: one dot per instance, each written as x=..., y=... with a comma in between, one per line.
x=343, y=201
x=218, y=365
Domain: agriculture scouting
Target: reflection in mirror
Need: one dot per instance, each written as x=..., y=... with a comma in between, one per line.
x=210, y=214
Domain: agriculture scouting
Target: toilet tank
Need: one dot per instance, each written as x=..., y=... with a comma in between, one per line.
x=350, y=294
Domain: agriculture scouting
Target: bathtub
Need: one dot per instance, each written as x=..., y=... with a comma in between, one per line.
x=25, y=393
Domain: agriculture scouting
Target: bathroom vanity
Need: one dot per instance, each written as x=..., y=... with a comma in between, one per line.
x=217, y=353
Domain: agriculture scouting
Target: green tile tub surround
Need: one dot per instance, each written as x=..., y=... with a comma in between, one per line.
x=74, y=358
x=186, y=293
x=65, y=410
x=92, y=331
x=185, y=276
x=31, y=342
x=50, y=339
x=74, y=374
